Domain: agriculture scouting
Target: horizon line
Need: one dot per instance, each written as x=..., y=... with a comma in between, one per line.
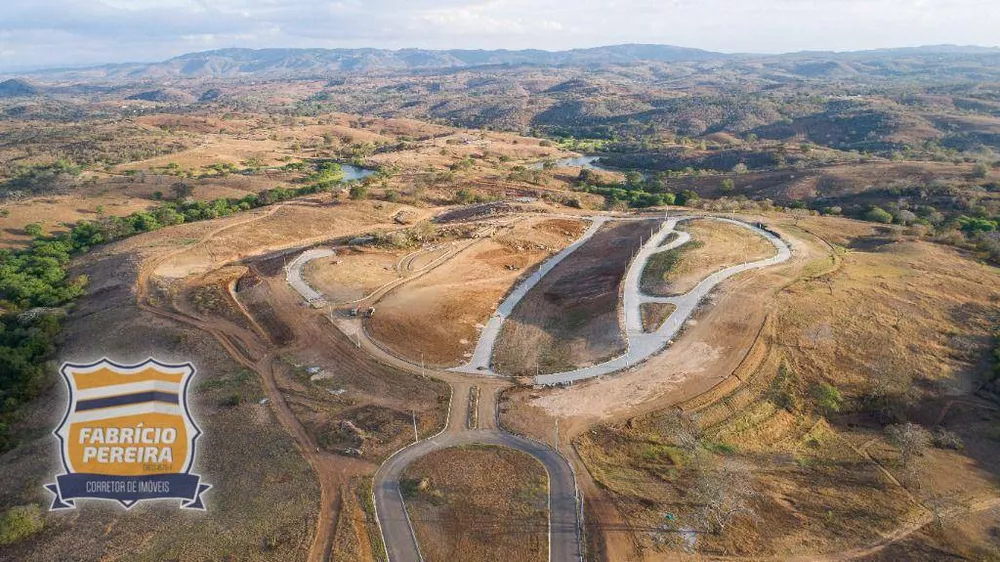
x=33, y=69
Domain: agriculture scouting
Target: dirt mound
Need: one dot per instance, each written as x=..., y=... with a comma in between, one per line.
x=476, y=212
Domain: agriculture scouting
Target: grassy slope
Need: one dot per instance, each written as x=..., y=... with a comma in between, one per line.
x=473, y=503
x=824, y=480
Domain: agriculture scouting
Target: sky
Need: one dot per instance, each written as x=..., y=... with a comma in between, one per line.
x=51, y=33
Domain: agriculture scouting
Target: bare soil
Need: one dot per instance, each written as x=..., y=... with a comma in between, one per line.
x=846, y=321
x=478, y=504
x=243, y=448
x=570, y=319
x=352, y=273
x=438, y=316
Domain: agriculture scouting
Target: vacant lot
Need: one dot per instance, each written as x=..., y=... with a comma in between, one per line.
x=478, y=504
x=570, y=319
x=351, y=274
x=438, y=316
x=714, y=245
x=243, y=448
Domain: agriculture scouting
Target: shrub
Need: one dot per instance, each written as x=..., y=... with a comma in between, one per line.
x=784, y=389
x=826, y=396
x=686, y=197
x=19, y=523
x=33, y=229
x=878, y=214
x=358, y=192
x=944, y=439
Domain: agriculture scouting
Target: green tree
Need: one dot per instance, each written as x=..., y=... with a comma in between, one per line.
x=826, y=396
x=686, y=197
x=878, y=214
x=358, y=192
x=33, y=229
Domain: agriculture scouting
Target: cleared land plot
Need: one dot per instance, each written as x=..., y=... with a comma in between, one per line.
x=654, y=313
x=347, y=402
x=438, y=316
x=478, y=503
x=570, y=319
x=714, y=245
x=351, y=274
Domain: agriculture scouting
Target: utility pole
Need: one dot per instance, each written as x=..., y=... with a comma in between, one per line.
x=422, y=364
x=557, y=435
x=416, y=436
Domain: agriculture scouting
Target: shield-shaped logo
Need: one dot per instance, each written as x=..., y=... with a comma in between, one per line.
x=128, y=435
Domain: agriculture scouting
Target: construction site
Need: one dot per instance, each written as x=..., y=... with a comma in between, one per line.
x=421, y=379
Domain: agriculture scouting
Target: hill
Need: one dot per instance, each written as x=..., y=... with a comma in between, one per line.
x=17, y=88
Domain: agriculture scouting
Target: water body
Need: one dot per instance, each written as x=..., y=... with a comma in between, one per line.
x=589, y=162
x=354, y=173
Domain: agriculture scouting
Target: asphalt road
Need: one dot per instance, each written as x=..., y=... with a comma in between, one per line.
x=293, y=274
x=397, y=533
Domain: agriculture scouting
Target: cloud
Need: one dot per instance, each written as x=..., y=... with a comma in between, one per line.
x=70, y=32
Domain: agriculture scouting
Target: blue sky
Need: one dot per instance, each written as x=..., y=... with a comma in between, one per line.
x=40, y=33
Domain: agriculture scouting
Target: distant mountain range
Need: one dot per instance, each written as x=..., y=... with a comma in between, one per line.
x=304, y=63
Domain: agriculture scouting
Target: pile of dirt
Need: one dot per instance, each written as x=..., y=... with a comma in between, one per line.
x=477, y=212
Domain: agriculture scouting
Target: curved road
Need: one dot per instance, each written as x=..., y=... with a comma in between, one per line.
x=642, y=345
x=564, y=502
x=480, y=361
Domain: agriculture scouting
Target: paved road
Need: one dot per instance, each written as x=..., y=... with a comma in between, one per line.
x=642, y=345
x=480, y=361
x=293, y=274
x=397, y=532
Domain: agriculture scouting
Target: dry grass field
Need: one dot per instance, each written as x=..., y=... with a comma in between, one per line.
x=773, y=426
x=786, y=443
x=478, y=504
x=714, y=245
x=654, y=314
x=570, y=319
x=352, y=273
